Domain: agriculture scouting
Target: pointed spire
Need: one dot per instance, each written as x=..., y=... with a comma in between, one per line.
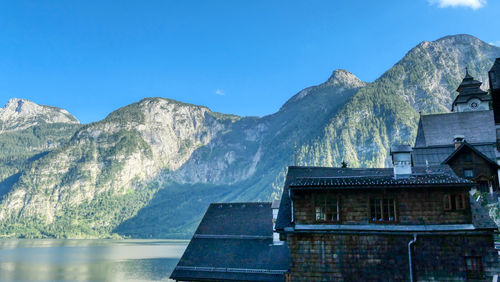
x=467, y=75
x=469, y=82
x=295, y=153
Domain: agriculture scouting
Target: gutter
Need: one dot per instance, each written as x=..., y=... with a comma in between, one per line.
x=409, y=255
x=291, y=230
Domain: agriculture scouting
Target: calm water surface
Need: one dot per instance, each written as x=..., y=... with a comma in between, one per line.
x=89, y=260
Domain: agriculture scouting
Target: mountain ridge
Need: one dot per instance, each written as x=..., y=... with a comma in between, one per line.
x=19, y=114
x=149, y=169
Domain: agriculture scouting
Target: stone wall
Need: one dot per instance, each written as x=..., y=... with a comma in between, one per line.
x=368, y=257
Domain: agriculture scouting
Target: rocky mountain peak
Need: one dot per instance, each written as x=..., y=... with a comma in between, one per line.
x=459, y=39
x=20, y=114
x=340, y=76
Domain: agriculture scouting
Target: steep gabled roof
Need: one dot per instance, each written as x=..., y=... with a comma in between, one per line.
x=466, y=146
x=441, y=129
x=234, y=241
x=435, y=155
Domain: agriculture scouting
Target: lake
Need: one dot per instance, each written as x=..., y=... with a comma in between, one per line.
x=83, y=260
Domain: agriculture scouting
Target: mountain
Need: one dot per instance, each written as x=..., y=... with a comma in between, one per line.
x=27, y=132
x=386, y=111
x=97, y=179
x=19, y=114
x=150, y=169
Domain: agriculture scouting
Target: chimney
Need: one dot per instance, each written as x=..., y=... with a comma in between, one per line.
x=401, y=160
x=458, y=140
x=275, y=206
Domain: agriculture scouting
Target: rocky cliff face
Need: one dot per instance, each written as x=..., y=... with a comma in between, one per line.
x=27, y=132
x=151, y=168
x=386, y=111
x=110, y=159
x=19, y=114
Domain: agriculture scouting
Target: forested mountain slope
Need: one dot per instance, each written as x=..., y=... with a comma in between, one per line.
x=151, y=168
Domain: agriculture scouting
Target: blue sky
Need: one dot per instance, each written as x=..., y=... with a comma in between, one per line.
x=234, y=56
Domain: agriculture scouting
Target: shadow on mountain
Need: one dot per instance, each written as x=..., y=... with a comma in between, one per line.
x=7, y=183
x=174, y=211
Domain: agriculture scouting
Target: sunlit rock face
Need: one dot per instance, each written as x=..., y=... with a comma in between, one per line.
x=113, y=157
x=151, y=168
x=19, y=114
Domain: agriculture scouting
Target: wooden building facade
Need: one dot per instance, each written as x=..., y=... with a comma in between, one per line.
x=346, y=224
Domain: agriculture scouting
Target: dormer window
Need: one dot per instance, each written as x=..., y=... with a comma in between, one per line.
x=382, y=210
x=326, y=208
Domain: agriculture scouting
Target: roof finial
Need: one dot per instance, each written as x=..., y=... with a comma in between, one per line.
x=295, y=153
x=466, y=71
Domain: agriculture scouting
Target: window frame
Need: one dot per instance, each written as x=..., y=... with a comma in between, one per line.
x=454, y=202
x=468, y=169
x=381, y=205
x=474, y=270
x=326, y=196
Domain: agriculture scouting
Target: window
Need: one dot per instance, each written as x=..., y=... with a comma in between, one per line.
x=326, y=208
x=383, y=210
x=474, y=267
x=453, y=202
x=468, y=173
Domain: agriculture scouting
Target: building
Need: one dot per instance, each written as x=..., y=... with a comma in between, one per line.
x=234, y=242
x=414, y=221
x=470, y=96
x=403, y=223
x=466, y=139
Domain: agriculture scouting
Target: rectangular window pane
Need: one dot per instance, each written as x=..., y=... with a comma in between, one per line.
x=474, y=267
x=447, y=202
x=326, y=207
x=320, y=213
x=453, y=202
x=383, y=210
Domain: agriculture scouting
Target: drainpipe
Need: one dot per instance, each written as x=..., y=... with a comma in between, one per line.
x=409, y=255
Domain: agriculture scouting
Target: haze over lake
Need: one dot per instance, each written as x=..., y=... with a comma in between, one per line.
x=96, y=260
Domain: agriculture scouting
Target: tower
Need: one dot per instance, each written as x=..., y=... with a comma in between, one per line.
x=470, y=96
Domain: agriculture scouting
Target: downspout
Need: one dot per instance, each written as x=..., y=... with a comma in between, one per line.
x=409, y=255
x=291, y=201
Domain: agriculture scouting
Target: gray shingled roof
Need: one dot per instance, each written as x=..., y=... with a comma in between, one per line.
x=301, y=175
x=465, y=146
x=234, y=242
x=424, y=180
x=441, y=129
x=436, y=155
x=400, y=148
